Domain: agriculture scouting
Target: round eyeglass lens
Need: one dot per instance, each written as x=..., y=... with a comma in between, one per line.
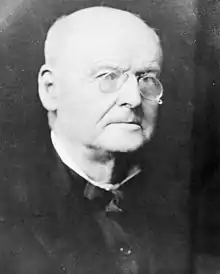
x=151, y=88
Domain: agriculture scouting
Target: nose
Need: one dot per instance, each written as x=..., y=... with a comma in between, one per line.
x=129, y=94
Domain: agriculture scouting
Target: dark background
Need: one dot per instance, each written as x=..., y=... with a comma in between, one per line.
x=205, y=179
x=186, y=141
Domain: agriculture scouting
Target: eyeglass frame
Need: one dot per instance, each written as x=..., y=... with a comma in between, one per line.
x=127, y=75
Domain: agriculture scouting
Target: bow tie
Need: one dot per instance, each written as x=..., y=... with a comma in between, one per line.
x=109, y=199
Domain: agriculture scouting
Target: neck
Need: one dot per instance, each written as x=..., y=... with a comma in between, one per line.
x=97, y=164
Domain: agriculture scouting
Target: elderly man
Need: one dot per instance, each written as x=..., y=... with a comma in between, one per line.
x=84, y=208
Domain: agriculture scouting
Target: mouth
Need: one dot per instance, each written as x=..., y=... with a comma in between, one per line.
x=126, y=123
x=135, y=122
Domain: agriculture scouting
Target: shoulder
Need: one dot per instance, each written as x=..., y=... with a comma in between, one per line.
x=21, y=252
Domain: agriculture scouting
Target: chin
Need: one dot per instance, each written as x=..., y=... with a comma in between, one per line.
x=124, y=140
x=120, y=144
x=125, y=147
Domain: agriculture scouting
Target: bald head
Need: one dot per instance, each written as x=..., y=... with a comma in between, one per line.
x=97, y=62
x=87, y=26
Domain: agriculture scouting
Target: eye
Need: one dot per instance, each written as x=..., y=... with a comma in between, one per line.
x=149, y=79
x=109, y=82
x=147, y=74
x=109, y=76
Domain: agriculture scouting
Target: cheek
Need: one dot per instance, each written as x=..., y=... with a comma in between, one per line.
x=83, y=106
x=83, y=114
x=149, y=112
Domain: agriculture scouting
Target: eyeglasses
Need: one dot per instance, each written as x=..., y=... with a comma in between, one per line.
x=150, y=86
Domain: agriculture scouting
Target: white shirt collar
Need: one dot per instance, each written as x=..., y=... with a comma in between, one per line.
x=68, y=161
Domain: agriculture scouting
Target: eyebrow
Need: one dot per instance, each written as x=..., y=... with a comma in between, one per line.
x=97, y=68
x=153, y=68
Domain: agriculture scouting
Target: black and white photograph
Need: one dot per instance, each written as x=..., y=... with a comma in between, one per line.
x=109, y=137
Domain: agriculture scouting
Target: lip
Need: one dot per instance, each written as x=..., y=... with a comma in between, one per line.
x=125, y=122
x=134, y=124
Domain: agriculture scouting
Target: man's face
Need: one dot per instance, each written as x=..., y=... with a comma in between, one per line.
x=119, y=121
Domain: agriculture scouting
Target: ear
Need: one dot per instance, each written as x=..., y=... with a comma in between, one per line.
x=47, y=89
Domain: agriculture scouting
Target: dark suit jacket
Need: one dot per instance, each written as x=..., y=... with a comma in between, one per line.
x=53, y=221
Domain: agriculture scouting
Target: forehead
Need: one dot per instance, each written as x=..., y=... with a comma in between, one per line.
x=113, y=52
x=127, y=44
